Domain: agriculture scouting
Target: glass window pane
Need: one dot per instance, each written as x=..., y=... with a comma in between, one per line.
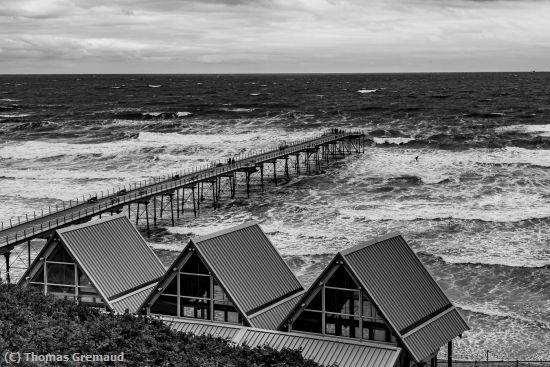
x=194, y=265
x=369, y=310
x=37, y=287
x=366, y=333
x=60, y=273
x=225, y=313
x=309, y=321
x=195, y=308
x=88, y=299
x=341, y=301
x=316, y=303
x=172, y=287
x=83, y=279
x=220, y=297
x=234, y=317
x=39, y=275
x=60, y=254
x=342, y=279
x=379, y=334
x=165, y=305
x=194, y=286
x=342, y=325
x=57, y=290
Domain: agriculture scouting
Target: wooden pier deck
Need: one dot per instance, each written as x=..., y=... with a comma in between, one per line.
x=311, y=151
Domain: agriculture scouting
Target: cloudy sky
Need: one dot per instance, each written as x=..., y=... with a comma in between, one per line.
x=249, y=36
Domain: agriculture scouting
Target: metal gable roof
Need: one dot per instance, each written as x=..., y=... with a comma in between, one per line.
x=396, y=280
x=113, y=254
x=271, y=317
x=430, y=336
x=248, y=266
x=132, y=301
x=322, y=349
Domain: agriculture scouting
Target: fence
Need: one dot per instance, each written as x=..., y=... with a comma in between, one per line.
x=481, y=363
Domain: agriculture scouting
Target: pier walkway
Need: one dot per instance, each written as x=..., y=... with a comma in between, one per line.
x=311, y=152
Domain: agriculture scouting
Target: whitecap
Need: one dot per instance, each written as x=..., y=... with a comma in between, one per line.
x=183, y=114
x=14, y=115
x=154, y=86
x=538, y=130
x=367, y=90
x=238, y=109
x=398, y=140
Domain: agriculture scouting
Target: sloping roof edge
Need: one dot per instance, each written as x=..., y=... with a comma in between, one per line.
x=197, y=239
x=370, y=242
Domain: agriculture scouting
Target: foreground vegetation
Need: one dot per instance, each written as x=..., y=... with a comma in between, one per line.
x=32, y=322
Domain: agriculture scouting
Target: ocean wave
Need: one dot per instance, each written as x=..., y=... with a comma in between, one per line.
x=14, y=115
x=484, y=261
x=485, y=114
x=491, y=309
x=537, y=130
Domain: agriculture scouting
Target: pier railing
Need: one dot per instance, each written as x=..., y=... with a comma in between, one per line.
x=93, y=204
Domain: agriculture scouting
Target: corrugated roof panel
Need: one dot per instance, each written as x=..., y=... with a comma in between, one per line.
x=113, y=254
x=321, y=349
x=226, y=331
x=325, y=350
x=133, y=301
x=430, y=337
x=396, y=280
x=248, y=265
x=273, y=317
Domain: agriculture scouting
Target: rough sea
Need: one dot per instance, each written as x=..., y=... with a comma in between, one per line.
x=474, y=206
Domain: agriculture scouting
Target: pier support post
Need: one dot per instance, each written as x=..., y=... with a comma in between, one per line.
x=155, y=211
x=194, y=206
x=172, y=207
x=178, y=202
x=286, y=168
x=247, y=184
x=214, y=184
x=137, y=214
x=7, y=257
x=297, y=164
x=275, y=171
x=262, y=176
x=147, y=216
x=450, y=353
x=129, y=211
x=182, y=200
x=29, y=252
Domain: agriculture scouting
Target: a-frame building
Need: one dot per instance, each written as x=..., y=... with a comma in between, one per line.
x=380, y=291
x=232, y=276
x=105, y=263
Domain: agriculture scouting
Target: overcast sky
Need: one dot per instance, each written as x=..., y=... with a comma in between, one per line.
x=249, y=36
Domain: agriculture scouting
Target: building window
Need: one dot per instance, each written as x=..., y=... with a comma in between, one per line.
x=199, y=293
x=345, y=309
x=309, y=321
x=61, y=277
x=166, y=305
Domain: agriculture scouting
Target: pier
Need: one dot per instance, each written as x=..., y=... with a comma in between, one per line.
x=167, y=197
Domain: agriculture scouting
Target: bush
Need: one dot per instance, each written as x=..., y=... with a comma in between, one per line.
x=32, y=322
